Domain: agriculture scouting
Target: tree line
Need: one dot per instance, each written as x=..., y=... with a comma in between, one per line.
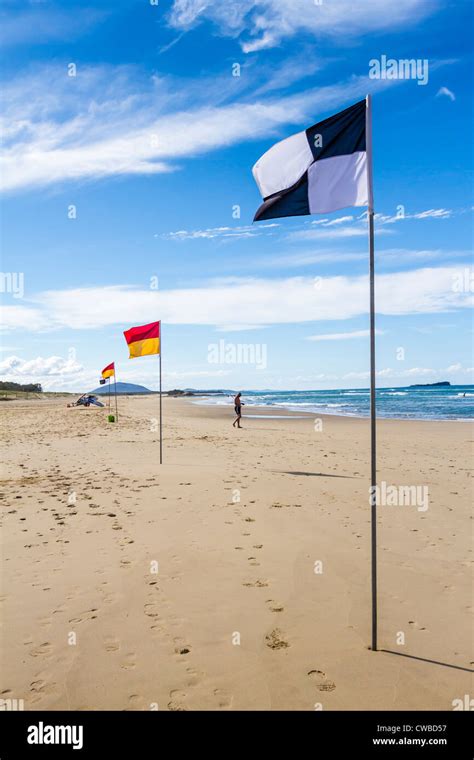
x=28, y=387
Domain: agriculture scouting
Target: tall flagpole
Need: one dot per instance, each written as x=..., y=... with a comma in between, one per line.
x=109, y=395
x=161, y=418
x=373, y=412
x=115, y=389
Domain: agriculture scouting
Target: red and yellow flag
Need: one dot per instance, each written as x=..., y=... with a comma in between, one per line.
x=108, y=371
x=143, y=340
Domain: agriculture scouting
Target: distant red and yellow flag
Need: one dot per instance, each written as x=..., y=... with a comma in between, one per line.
x=143, y=340
x=108, y=371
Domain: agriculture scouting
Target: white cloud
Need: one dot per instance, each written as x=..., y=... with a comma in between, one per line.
x=432, y=213
x=333, y=222
x=264, y=23
x=110, y=121
x=291, y=70
x=443, y=91
x=41, y=367
x=343, y=336
x=334, y=233
x=249, y=301
x=23, y=317
x=220, y=232
x=320, y=229
x=56, y=373
x=349, y=226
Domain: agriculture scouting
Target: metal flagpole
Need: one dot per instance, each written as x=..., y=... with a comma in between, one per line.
x=161, y=418
x=109, y=395
x=373, y=412
x=115, y=389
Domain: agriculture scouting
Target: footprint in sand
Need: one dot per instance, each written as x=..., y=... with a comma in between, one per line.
x=87, y=615
x=224, y=699
x=129, y=662
x=43, y=650
x=39, y=689
x=111, y=644
x=194, y=676
x=319, y=678
x=125, y=540
x=275, y=640
x=181, y=647
x=256, y=584
x=274, y=606
x=110, y=597
x=414, y=624
x=177, y=699
x=151, y=610
x=135, y=702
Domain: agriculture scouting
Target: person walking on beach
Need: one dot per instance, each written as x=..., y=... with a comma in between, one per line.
x=238, y=410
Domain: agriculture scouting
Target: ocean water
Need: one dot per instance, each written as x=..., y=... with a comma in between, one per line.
x=455, y=402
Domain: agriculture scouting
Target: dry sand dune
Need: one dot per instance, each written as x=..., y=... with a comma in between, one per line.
x=236, y=523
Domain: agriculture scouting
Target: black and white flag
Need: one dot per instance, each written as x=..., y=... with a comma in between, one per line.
x=324, y=168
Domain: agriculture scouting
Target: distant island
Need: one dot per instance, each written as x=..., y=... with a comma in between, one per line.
x=444, y=384
x=195, y=392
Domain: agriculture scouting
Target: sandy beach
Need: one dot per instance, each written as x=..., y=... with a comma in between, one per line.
x=236, y=575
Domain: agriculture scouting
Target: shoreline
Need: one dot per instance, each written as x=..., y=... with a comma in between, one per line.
x=288, y=412
x=204, y=399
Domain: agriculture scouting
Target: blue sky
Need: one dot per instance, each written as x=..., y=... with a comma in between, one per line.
x=150, y=146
